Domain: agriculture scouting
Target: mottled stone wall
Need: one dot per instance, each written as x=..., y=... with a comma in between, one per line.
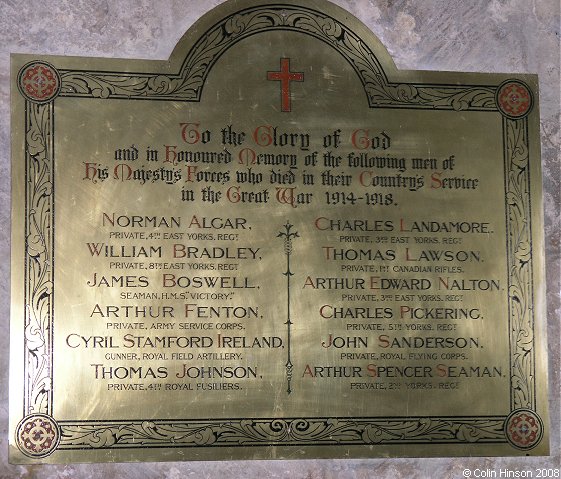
x=461, y=35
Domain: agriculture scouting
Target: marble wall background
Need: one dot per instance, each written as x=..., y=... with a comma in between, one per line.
x=462, y=35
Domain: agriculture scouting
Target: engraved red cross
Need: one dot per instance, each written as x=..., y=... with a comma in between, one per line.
x=285, y=76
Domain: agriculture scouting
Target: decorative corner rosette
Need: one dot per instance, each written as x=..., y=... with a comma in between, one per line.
x=514, y=99
x=523, y=429
x=38, y=435
x=39, y=82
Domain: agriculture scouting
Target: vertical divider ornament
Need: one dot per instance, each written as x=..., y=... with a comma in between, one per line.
x=288, y=236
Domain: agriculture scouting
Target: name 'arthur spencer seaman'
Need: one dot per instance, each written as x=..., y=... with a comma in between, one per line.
x=401, y=371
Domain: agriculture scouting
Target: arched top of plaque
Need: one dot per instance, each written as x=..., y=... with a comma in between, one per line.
x=320, y=30
x=226, y=25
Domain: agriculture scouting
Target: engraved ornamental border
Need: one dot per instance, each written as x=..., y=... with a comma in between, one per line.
x=41, y=83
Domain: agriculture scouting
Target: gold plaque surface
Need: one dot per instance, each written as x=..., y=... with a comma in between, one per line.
x=274, y=245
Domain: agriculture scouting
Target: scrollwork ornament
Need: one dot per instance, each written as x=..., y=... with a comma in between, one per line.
x=259, y=432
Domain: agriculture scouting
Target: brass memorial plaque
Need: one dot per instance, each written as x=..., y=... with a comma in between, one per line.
x=274, y=245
